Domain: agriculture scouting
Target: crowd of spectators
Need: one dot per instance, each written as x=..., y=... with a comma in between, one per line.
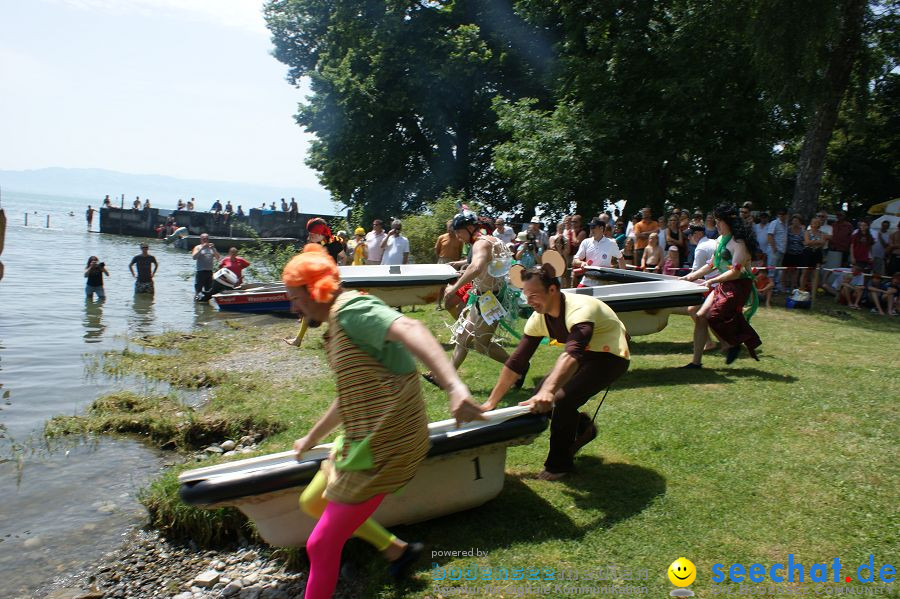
x=849, y=260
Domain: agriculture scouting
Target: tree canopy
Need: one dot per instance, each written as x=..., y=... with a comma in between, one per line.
x=522, y=105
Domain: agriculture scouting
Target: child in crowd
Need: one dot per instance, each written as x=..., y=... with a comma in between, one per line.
x=653, y=255
x=880, y=291
x=671, y=265
x=628, y=251
x=764, y=284
x=852, y=288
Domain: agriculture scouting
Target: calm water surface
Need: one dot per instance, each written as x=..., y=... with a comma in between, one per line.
x=63, y=507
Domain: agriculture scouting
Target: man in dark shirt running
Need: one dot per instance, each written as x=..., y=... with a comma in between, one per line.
x=596, y=354
x=146, y=269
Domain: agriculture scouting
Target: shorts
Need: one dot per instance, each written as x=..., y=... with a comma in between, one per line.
x=794, y=260
x=143, y=287
x=89, y=292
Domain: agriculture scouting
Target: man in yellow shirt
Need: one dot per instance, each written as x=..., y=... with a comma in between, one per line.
x=596, y=354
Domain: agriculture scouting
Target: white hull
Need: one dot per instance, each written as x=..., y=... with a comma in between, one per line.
x=446, y=482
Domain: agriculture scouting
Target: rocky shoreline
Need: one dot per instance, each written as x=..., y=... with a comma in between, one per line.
x=149, y=566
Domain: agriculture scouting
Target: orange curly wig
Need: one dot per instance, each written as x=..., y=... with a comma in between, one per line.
x=315, y=270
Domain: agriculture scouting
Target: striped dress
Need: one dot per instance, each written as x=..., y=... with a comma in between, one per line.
x=383, y=416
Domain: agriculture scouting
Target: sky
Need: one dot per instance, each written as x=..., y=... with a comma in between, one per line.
x=185, y=88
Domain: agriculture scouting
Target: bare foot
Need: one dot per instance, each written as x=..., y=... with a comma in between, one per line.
x=544, y=475
x=293, y=342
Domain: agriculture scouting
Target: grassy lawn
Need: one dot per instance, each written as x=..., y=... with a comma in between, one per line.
x=730, y=464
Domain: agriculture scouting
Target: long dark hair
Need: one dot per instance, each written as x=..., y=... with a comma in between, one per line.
x=91, y=259
x=739, y=229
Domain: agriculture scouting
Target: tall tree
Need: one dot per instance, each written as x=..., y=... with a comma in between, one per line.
x=402, y=91
x=811, y=164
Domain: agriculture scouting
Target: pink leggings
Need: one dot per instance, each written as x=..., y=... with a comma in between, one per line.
x=338, y=523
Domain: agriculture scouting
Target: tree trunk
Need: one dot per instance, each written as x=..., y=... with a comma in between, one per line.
x=811, y=164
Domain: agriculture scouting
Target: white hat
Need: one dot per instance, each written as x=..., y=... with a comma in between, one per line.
x=672, y=248
x=535, y=219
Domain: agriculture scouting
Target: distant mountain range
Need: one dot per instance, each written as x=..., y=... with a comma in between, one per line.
x=163, y=191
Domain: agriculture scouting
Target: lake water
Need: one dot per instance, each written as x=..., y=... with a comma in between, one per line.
x=62, y=507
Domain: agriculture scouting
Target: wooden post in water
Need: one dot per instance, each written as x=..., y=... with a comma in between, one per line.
x=121, y=213
x=26, y=219
x=48, y=221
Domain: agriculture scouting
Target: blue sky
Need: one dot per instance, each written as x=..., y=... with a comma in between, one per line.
x=186, y=88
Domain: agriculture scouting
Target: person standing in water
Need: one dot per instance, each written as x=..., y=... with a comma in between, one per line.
x=94, y=272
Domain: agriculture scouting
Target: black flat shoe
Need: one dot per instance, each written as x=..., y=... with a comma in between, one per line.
x=732, y=354
x=519, y=383
x=399, y=568
x=691, y=366
x=753, y=354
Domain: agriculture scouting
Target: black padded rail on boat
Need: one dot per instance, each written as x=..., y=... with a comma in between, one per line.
x=646, y=303
x=618, y=276
x=381, y=281
x=289, y=474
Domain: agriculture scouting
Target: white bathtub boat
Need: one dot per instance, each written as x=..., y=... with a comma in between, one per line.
x=401, y=285
x=465, y=468
x=642, y=301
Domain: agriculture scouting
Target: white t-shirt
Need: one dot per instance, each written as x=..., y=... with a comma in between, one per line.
x=703, y=254
x=762, y=236
x=393, y=252
x=878, y=248
x=373, y=242
x=826, y=230
x=778, y=230
x=598, y=253
x=506, y=236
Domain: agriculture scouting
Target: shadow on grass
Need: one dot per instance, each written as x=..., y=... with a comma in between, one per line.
x=661, y=377
x=857, y=318
x=612, y=492
x=646, y=348
x=619, y=491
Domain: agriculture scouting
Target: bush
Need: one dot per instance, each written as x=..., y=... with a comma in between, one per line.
x=422, y=230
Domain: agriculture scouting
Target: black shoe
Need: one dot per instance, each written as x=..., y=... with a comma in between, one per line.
x=691, y=366
x=732, y=354
x=430, y=378
x=399, y=568
x=753, y=354
x=519, y=383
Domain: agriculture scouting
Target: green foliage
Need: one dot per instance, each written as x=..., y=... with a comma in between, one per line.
x=267, y=261
x=402, y=91
x=544, y=105
x=422, y=230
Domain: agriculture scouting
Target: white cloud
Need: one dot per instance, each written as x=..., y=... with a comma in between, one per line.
x=239, y=14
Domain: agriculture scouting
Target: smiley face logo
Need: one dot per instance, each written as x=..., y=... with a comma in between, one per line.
x=682, y=572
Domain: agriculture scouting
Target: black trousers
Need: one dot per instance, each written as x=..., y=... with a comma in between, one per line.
x=202, y=280
x=595, y=373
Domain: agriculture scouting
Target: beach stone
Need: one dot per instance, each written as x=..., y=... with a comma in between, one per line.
x=206, y=579
x=250, y=593
x=184, y=595
x=229, y=453
x=246, y=440
x=228, y=445
x=232, y=588
x=214, y=449
x=33, y=543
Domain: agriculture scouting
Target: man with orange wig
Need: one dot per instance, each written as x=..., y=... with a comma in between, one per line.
x=372, y=349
